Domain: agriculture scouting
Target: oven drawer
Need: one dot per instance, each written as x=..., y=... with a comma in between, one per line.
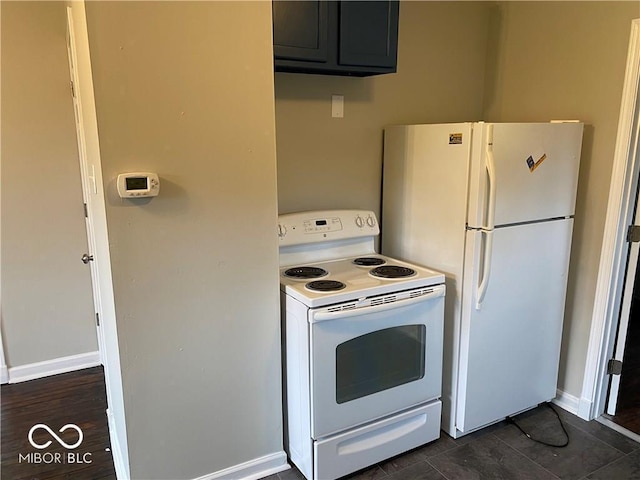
x=358, y=448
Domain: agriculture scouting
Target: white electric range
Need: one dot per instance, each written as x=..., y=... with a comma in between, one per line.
x=363, y=337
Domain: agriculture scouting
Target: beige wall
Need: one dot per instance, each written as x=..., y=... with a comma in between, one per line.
x=566, y=60
x=47, y=309
x=326, y=162
x=185, y=89
x=177, y=96
x=466, y=61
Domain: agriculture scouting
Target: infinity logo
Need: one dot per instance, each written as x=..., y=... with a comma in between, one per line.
x=59, y=440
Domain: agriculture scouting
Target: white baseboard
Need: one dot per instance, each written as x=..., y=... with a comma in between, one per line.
x=566, y=402
x=580, y=407
x=4, y=374
x=55, y=366
x=253, y=469
x=585, y=409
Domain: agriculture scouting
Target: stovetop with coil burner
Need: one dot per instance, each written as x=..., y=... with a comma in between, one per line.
x=329, y=256
x=335, y=281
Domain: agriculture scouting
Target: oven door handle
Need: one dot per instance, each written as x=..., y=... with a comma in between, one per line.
x=437, y=291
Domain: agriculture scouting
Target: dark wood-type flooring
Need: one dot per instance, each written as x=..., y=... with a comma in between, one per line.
x=497, y=452
x=77, y=398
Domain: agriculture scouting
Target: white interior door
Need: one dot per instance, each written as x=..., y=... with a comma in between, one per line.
x=510, y=342
x=625, y=310
x=89, y=189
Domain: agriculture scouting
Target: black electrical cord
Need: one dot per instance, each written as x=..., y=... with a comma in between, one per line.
x=562, y=445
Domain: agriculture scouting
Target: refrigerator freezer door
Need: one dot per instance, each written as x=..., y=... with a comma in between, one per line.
x=510, y=342
x=535, y=169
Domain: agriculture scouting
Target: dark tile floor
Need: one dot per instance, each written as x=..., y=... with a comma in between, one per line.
x=503, y=452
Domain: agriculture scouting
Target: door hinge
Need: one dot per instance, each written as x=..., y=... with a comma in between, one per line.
x=633, y=234
x=86, y=212
x=614, y=367
x=98, y=319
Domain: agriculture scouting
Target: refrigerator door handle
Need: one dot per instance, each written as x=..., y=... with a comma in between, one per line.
x=486, y=268
x=491, y=174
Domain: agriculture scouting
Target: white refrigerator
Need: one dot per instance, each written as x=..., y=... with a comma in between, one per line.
x=491, y=206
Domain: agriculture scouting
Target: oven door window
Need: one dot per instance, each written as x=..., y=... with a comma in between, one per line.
x=379, y=361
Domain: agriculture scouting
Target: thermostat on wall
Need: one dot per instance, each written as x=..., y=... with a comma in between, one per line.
x=138, y=184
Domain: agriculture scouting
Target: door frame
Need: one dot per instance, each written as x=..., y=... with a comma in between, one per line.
x=615, y=249
x=93, y=189
x=4, y=372
x=620, y=339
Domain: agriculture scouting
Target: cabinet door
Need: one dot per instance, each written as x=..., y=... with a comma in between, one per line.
x=368, y=33
x=300, y=30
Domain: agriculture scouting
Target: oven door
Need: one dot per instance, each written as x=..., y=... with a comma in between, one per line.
x=375, y=357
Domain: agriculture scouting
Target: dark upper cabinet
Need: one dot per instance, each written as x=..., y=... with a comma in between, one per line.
x=300, y=30
x=368, y=34
x=356, y=38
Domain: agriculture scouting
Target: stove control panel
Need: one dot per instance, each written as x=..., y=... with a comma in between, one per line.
x=326, y=225
x=318, y=225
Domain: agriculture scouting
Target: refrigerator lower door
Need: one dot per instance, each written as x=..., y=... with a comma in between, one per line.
x=510, y=338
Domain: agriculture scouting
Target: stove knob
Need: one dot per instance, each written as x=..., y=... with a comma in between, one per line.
x=371, y=221
x=359, y=221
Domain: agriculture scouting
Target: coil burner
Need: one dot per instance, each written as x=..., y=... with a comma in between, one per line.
x=392, y=271
x=325, y=285
x=305, y=272
x=369, y=261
